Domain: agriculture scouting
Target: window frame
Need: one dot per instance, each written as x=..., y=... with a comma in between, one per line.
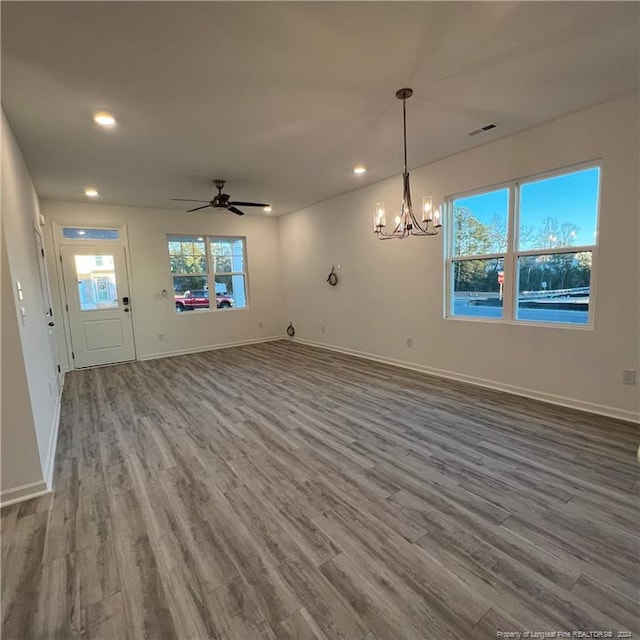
x=229, y=273
x=209, y=273
x=513, y=253
x=88, y=239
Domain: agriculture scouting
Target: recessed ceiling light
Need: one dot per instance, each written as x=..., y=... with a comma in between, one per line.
x=91, y=192
x=359, y=169
x=200, y=239
x=81, y=232
x=267, y=208
x=104, y=119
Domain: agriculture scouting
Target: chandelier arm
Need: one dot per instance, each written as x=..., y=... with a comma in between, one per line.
x=419, y=230
x=383, y=235
x=425, y=233
x=406, y=194
x=391, y=236
x=417, y=225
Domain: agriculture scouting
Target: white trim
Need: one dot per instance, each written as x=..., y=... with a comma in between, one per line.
x=553, y=251
x=512, y=253
x=212, y=347
x=51, y=454
x=59, y=241
x=211, y=273
x=59, y=225
x=23, y=492
x=527, y=323
x=563, y=401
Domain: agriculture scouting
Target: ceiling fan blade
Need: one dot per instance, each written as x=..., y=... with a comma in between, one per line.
x=187, y=200
x=198, y=208
x=234, y=210
x=250, y=204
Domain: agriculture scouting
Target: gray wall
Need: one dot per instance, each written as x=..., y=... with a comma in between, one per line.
x=148, y=258
x=392, y=290
x=387, y=291
x=29, y=391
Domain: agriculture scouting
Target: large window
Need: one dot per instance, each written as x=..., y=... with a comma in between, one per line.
x=200, y=265
x=524, y=251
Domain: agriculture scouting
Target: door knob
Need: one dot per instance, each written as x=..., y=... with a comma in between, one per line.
x=126, y=309
x=52, y=324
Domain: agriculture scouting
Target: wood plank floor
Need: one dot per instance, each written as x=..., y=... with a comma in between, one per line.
x=283, y=492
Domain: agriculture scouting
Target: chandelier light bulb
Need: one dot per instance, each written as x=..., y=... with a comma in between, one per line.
x=437, y=216
x=378, y=217
x=427, y=209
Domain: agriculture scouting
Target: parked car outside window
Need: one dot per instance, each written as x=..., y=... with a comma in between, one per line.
x=199, y=299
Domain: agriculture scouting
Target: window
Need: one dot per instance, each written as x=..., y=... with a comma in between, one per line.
x=83, y=233
x=96, y=282
x=201, y=264
x=524, y=251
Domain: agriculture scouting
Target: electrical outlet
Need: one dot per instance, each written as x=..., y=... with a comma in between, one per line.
x=628, y=376
x=161, y=337
x=409, y=342
x=260, y=325
x=323, y=329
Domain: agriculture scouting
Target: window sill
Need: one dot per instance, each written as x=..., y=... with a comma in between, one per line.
x=202, y=312
x=523, y=323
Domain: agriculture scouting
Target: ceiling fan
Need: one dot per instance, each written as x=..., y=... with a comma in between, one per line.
x=222, y=201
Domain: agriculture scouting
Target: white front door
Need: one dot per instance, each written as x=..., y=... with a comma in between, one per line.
x=97, y=294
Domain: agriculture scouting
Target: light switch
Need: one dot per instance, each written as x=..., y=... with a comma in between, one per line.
x=23, y=316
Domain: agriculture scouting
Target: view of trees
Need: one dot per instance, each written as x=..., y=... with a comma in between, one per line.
x=190, y=266
x=187, y=257
x=541, y=272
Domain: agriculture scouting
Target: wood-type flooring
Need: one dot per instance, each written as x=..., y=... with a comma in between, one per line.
x=282, y=492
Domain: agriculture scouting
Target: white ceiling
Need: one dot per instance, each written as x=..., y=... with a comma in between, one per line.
x=283, y=98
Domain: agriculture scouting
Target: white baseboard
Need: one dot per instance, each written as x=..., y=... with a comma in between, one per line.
x=51, y=453
x=24, y=492
x=225, y=345
x=571, y=403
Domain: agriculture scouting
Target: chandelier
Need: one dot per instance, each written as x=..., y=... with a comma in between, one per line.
x=406, y=223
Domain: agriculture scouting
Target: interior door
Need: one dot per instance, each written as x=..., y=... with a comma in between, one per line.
x=47, y=310
x=97, y=295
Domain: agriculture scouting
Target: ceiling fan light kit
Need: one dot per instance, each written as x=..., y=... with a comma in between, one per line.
x=406, y=223
x=223, y=201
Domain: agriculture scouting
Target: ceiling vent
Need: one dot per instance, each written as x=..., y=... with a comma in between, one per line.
x=487, y=127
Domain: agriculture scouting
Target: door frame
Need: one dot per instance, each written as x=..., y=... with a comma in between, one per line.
x=47, y=302
x=59, y=240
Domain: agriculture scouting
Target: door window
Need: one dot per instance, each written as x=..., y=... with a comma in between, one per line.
x=96, y=279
